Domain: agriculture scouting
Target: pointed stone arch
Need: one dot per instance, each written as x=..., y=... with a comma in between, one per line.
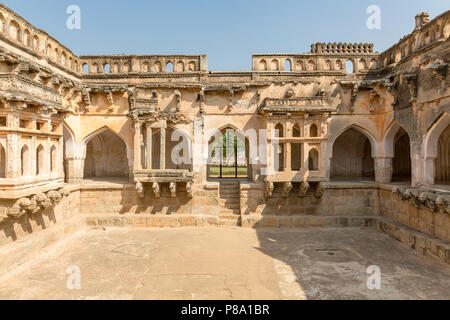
x=40, y=160
x=352, y=154
x=229, y=150
x=397, y=146
x=25, y=161
x=106, y=154
x=434, y=148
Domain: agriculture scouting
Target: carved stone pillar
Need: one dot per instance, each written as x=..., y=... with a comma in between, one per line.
x=383, y=170
x=75, y=169
x=137, y=146
x=162, y=159
x=148, y=146
x=287, y=160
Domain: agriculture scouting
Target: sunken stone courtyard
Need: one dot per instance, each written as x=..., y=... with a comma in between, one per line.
x=151, y=177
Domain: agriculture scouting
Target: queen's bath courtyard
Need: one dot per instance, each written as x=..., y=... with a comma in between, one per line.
x=316, y=175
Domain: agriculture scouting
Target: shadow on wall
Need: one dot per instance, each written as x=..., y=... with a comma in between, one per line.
x=27, y=224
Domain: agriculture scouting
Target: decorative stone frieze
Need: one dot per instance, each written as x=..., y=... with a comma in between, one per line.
x=433, y=200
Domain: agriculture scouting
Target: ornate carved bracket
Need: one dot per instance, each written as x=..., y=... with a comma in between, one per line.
x=156, y=189
x=189, y=189
x=320, y=189
x=431, y=200
x=36, y=203
x=202, y=99
x=140, y=189
x=269, y=188
x=287, y=187
x=231, y=98
x=412, y=85
x=304, y=188
x=178, y=100
x=173, y=189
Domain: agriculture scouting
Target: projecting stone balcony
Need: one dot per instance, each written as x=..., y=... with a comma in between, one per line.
x=306, y=179
x=159, y=176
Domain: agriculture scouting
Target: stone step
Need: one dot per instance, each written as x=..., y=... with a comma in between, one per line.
x=230, y=220
x=236, y=189
x=229, y=211
x=230, y=196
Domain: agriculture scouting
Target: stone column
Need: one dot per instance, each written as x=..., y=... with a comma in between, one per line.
x=383, y=169
x=416, y=163
x=13, y=155
x=287, y=160
x=429, y=171
x=137, y=146
x=75, y=169
x=148, y=146
x=305, y=156
x=162, y=159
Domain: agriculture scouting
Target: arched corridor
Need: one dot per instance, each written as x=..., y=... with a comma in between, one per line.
x=106, y=156
x=352, y=156
x=401, y=164
x=442, y=163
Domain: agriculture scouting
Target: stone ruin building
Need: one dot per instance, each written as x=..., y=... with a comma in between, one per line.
x=346, y=136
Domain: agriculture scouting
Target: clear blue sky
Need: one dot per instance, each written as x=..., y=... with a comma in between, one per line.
x=228, y=31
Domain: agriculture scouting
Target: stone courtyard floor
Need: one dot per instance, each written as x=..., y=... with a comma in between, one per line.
x=228, y=263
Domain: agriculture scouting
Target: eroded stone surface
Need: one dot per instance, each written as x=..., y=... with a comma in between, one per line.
x=229, y=263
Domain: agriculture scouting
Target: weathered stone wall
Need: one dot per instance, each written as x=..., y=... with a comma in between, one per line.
x=435, y=224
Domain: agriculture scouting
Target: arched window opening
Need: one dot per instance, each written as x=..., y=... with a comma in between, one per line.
x=40, y=160
x=279, y=130
x=145, y=67
x=274, y=65
x=157, y=67
x=313, y=160
x=36, y=42
x=263, y=65
x=352, y=156
x=442, y=162
x=313, y=131
x=296, y=156
x=287, y=65
x=53, y=155
x=402, y=157
x=349, y=67
x=106, y=68
x=296, y=131
x=25, y=161
x=106, y=156
x=2, y=162
x=14, y=30
x=180, y=66
x=85, y=68
x=191, y=66
x=2, y=23
x=169, y=67
x=228, y=155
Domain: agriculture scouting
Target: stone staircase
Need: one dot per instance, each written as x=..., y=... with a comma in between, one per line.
x=230, y=202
